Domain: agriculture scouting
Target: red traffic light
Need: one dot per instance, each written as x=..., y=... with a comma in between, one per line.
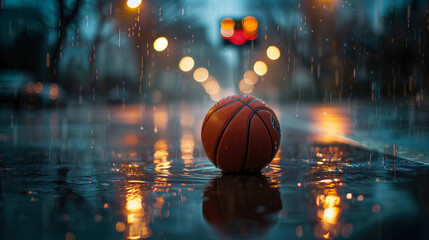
x=240, y=31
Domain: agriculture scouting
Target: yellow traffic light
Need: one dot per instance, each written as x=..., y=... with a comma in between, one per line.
x=250, y=25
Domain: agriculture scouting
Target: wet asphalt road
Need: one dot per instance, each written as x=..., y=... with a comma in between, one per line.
x=140, y=172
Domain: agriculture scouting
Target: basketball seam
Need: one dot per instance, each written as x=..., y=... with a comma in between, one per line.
x=247, y=142
x=271, y=140
x=266, y=127
x=264, y=109
x=248, y=137
x=223, y=131
x=235, y=100
x=267, y=108
x=242, y=96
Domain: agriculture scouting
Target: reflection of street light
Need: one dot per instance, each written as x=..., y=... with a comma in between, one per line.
x=160, y=44
x=260, y=68
x=134, y=3
x=186, y=64
x=273, y=53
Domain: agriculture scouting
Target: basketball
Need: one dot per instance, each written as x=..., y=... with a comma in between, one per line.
x=240, y=134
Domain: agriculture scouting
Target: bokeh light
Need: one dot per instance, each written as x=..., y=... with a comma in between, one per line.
x=250, y=77
x=227, y=23
x=273, y=52
x=376, y=208
x=53, y=91
x=156, y=96
x=216, y=97
x=211, y=86
x=134, y=204
x=186, y=64
x=209, y=79
x=244, y=87
x=250, y=25
x=70, y=236
x=120, y=226
x=226, y=32
x=134, y=3
x=38, y=87
x=349, y=196
x=330, y=123
x=29, y=88
x=187, y=145
x=347, y=230
x=160, y=44
x=201, y=74
x=260, y=68
x=227, y=27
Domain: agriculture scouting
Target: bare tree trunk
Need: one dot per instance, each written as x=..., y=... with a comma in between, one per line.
x=63, y=22
x=97, y=41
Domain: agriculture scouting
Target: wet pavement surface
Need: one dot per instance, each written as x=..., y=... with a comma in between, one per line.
x=140, y=172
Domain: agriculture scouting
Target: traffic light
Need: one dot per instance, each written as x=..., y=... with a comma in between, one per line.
x=239, y=31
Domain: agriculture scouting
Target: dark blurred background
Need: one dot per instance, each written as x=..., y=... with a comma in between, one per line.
x=58, y=52
x=102, y=103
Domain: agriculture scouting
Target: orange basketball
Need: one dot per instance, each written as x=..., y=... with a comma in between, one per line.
x=240, y=134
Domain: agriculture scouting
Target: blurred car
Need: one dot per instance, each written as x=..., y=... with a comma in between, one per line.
x=10, y=84
x=20, y=89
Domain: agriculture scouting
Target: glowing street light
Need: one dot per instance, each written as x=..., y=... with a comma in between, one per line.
x=211, y=86
x=201, y=74
x=186, y=64
x=245, y=87
x=260, y=68
x=250, y=77
x=273, y=52
x=134, y=3
x=160, y=44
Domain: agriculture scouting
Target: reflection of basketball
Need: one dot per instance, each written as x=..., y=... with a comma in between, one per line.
x=240, y=134
x=241, y=205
